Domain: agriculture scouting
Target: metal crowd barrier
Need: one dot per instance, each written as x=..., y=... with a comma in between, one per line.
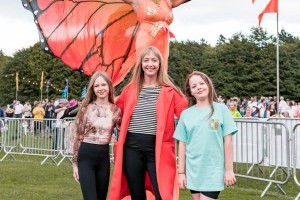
x=296, y=155
x=261, y=149
x=2, y=129
x=261, y=152
x=32, y=137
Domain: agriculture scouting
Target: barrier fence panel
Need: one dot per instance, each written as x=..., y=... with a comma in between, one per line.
x=296, y=155
x=290, y=123
x=2, y=129
x=68, y=130
x=32, y=137
x=261, y=152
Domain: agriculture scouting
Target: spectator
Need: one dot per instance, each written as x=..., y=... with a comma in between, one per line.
x=9, y=112
x=233, y=110
x=255, y=111
x=282, y=107
x=2, y=113
x=18, y=109
x=72, y=106
x=248, y=112
x=262, y=108
x=38, y=114
x=27, y=110
x=59, y=129
x=271, y=111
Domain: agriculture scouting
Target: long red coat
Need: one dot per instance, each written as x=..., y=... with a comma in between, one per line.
x=169, y=104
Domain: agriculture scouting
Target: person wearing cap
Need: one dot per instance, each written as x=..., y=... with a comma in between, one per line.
x=72, y=106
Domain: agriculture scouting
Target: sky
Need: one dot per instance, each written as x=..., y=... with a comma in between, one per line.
x=193, y=21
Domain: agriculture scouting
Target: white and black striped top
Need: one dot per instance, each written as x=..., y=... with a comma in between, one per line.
x=143, y=119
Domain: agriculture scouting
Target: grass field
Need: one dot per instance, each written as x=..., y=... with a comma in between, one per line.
x=26, y=179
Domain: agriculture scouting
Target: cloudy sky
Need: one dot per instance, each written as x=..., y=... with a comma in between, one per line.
x=194, y=20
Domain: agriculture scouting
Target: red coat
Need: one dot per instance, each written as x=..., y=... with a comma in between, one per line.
x=169, y=104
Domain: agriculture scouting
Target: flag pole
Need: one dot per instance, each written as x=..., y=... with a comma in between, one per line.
x=41, y=85
x=277, y=64
x=17, y=84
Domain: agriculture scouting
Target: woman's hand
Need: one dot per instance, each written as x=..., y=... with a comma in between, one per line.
x=182, y=181
x=229, y=178
x=75, y=173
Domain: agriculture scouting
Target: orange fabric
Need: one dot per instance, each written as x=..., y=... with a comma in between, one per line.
x=272, y=7
x=153, y=31
x=101, y=35
x=169, y=104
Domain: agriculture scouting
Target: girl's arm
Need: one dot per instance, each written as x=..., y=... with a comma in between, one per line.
x=181, y=165
x=229, y=178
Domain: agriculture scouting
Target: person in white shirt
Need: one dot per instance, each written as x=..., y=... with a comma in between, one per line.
x=282, y=107
x=19, y=109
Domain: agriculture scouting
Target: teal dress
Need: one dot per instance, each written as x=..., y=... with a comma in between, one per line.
x=203, y=136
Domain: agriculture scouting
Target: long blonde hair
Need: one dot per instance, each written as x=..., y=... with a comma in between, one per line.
x=91, y=96
x=212, y=95
x=163, y=78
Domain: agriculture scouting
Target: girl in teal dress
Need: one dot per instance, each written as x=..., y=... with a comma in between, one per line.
x=204, y=132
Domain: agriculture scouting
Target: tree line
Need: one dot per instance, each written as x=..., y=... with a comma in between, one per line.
x=240, y=66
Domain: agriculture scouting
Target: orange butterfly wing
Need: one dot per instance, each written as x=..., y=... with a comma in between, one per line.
x=87, y=35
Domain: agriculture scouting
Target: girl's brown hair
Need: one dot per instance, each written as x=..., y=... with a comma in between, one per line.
x=91, y=96
x=212, y=95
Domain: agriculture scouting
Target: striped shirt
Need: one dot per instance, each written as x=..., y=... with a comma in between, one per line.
x=143, y=119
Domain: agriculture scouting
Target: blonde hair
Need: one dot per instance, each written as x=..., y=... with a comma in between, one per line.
x=212, y=95
x=91, y=96
x=163, y=79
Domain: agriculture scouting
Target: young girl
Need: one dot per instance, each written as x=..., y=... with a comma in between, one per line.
x=205, y=133
x=95, y=121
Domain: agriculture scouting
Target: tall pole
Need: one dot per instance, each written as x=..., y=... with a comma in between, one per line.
x=41, y=85
x=17, y=84
x=277, y=65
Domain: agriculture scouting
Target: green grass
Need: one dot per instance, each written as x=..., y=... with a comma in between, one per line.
x=26, y=179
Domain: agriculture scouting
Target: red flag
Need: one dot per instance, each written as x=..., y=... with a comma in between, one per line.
x=272, y=7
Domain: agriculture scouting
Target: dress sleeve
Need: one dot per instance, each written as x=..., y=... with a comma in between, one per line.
x=78, y=135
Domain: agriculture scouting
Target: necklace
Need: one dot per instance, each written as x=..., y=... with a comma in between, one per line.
x=157, y=2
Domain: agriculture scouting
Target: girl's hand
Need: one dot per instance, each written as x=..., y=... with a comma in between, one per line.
x=182, y=181
x=229, y=178
x=75, y=173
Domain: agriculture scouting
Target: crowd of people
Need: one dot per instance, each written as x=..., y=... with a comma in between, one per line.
x=263, y=107
x=44, y=109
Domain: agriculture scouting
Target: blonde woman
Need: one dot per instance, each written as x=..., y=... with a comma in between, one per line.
x=145, y=144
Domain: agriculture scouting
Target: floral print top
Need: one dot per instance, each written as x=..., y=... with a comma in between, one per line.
x=96, y=126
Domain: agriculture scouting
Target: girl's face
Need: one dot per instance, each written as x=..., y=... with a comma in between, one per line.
x=150, y=65
x=101, y=88
x=199, y=89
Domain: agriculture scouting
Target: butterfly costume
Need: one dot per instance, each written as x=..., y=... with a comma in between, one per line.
x=105, y=35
